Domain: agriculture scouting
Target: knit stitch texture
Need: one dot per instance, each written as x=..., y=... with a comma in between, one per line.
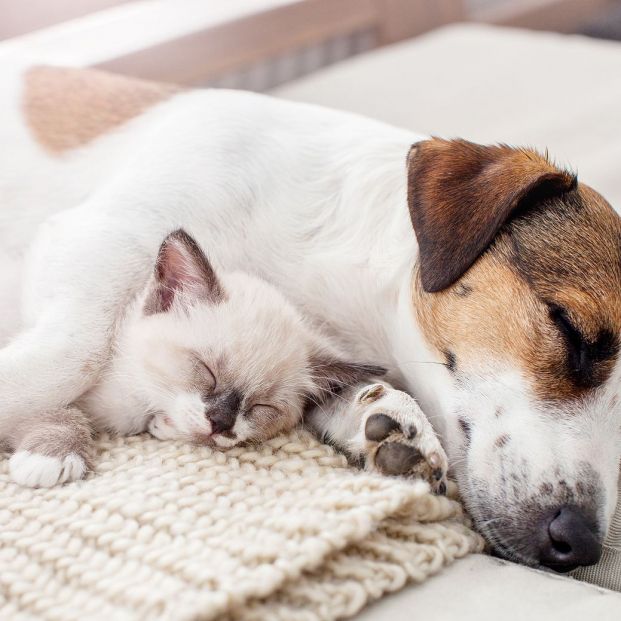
x=163, y=531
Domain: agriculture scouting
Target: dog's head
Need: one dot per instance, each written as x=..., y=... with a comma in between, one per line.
x=518, y=291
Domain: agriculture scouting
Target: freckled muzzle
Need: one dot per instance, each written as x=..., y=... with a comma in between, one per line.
x=558, y=530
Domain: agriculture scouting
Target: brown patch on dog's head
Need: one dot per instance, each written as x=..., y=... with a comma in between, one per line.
x=544, y=294
x=68, y=108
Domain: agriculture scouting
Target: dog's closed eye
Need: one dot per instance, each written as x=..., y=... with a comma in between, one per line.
x=583, y=354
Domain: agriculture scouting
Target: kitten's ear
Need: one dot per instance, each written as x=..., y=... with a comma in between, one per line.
x=182, y=271
x=331, y=375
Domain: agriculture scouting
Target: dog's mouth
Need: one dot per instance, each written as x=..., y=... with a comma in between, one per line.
x=500, y=547
x=552, y=518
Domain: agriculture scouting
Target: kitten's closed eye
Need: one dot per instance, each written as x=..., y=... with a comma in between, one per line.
x=263, y=409
x=205, y=375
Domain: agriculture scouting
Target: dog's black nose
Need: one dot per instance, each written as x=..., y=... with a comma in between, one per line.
x=568, y=539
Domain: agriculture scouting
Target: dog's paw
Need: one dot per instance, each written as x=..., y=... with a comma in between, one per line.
x=37, y=470
x=160, y=427
x=397, y=438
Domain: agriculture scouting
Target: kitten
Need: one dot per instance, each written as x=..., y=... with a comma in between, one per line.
x=216, y=359
x=213, y=358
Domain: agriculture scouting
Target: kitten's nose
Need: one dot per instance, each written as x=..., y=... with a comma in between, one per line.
x=222, y=412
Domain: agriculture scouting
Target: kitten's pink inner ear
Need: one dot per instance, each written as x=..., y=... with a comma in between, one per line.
x=178, y=269
x=167, y=296
x=182, y=269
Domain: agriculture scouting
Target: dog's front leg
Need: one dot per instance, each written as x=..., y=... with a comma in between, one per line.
x=383, y=429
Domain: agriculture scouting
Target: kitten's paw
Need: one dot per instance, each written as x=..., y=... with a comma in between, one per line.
x=398, y=439
x=160, y=427
x=37, y=470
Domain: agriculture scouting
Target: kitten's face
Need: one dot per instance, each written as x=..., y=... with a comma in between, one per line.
x=226, y=358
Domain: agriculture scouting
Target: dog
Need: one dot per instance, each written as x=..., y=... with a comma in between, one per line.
x=485, y=278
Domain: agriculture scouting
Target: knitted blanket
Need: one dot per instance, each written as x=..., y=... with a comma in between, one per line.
x=163, y=531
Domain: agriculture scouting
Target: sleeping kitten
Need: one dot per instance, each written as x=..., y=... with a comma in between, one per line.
x=216, y=359
x=213, y=359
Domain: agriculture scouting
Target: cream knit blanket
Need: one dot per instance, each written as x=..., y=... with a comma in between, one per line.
x=164, y=531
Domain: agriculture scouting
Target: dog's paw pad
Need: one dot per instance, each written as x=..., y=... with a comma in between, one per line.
x=393, y=458
x=399, y=441
x=402, y=456
x=379, y=426
x=36, y=470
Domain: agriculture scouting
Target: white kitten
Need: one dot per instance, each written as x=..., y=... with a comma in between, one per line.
x=218, y=359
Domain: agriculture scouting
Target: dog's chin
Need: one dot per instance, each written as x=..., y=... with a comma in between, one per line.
x=508, y=555
x=485, y=521
x=499, y=550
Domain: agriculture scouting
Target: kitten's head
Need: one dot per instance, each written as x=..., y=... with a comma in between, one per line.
x=225, y=357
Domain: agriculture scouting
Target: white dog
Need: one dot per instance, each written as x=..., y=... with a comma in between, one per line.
x=485, y=279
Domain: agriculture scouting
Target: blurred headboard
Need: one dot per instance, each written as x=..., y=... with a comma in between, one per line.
x=252, y=44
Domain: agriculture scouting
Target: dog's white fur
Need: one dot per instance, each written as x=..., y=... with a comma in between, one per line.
x=310, y=199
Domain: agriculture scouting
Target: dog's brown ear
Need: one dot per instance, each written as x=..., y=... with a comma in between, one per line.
x=460, y=194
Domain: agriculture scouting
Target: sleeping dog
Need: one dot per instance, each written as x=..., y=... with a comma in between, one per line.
x=485, y=278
